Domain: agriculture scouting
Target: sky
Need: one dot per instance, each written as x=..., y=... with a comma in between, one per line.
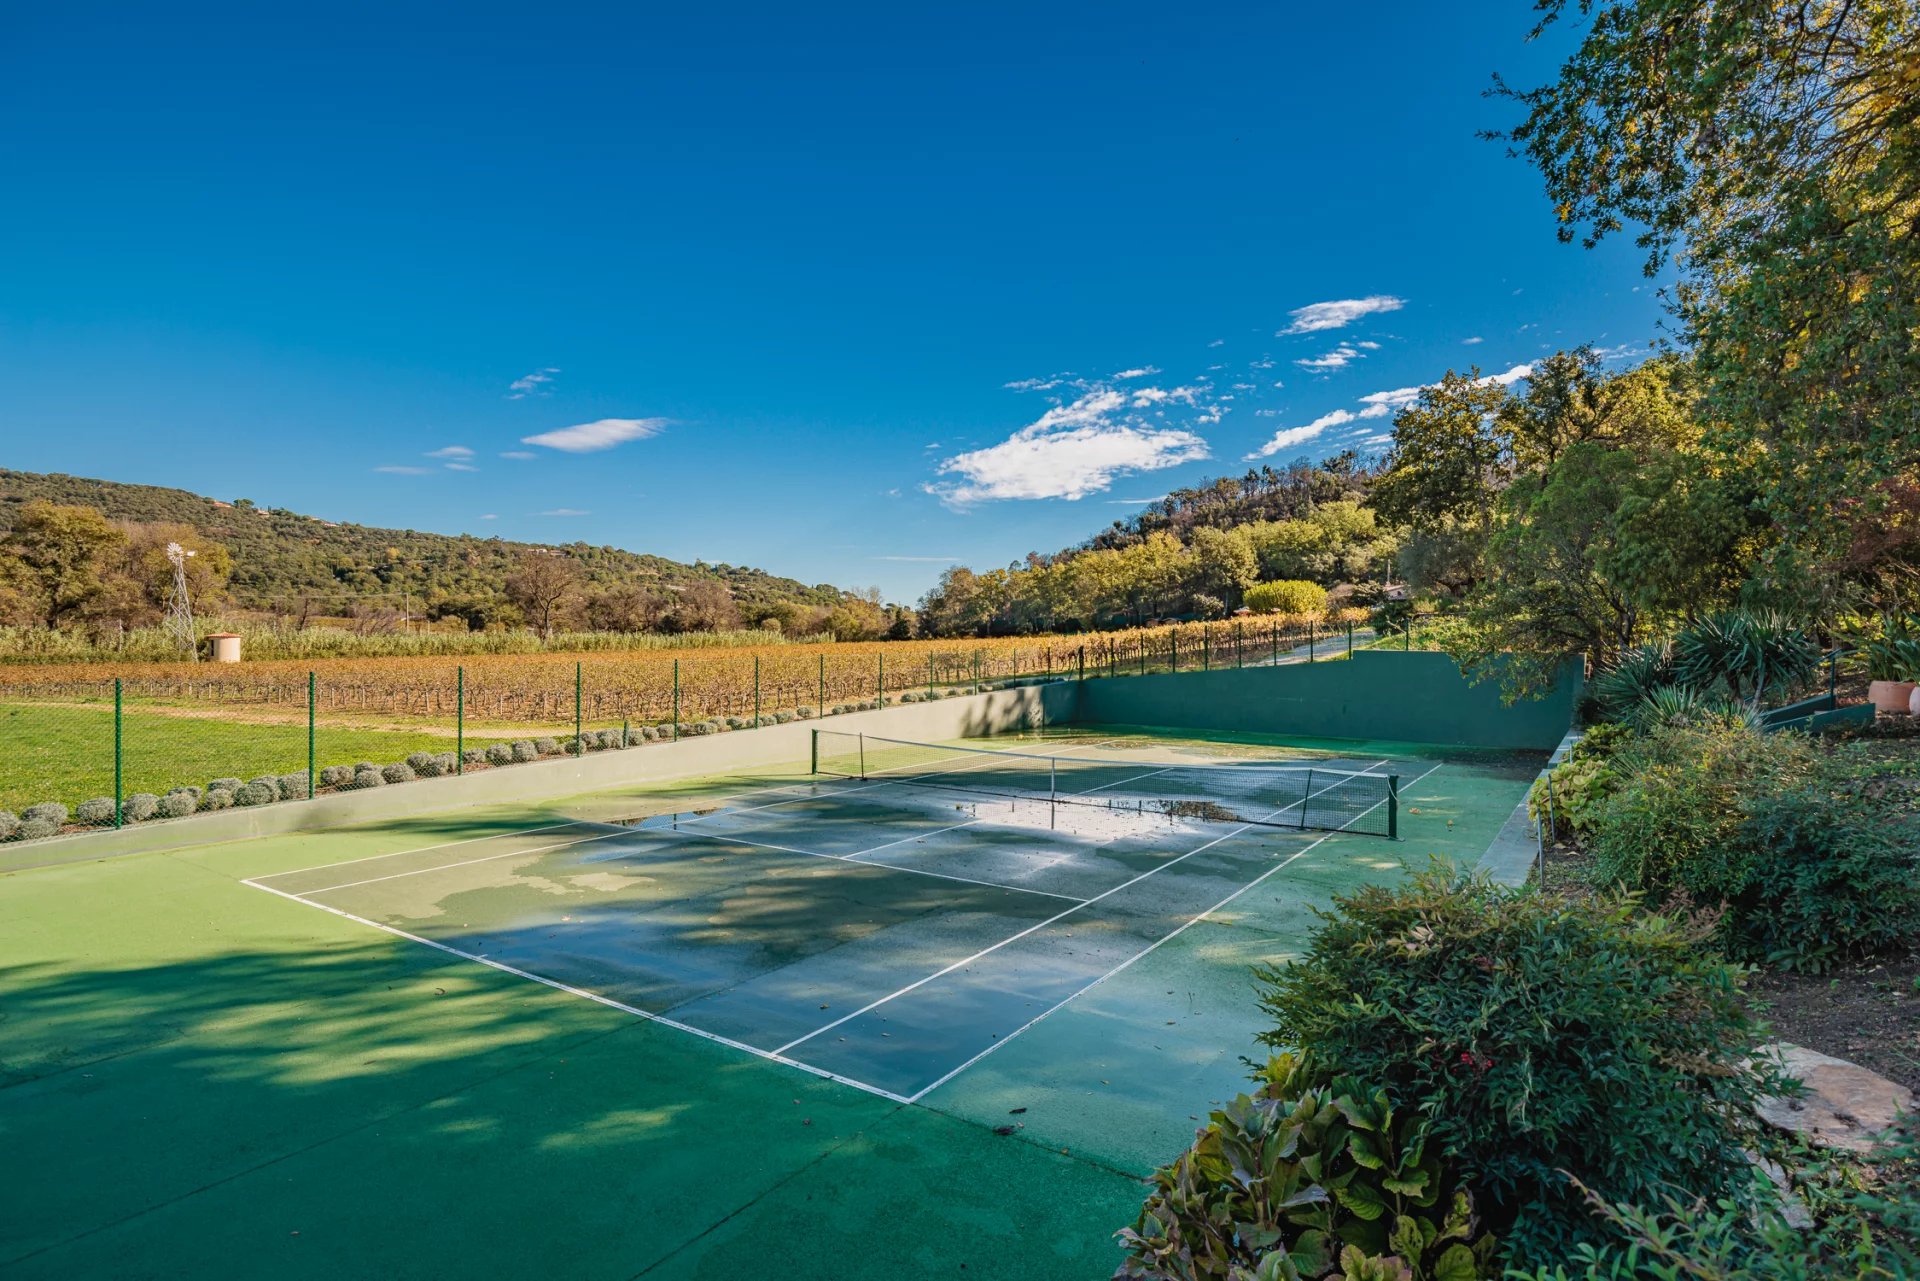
x=850, y=293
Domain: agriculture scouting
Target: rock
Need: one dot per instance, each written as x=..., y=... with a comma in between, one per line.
x=1793, y=1211
x=1845, y=1106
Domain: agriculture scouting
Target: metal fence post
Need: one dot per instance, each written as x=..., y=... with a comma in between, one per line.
x=1276, y=642
x=1083, y=662
x=313, y=779
x=756, y=691
x=929, y=675
x=1173, y=650
x=460, y=720
x=882, y=679
x=1239, y=653
x=579, y=747
x=1349, y=638
x=1206, y=647
x=676, y=700
x=1406, y=637
x=1310, y=639
x=119, y=770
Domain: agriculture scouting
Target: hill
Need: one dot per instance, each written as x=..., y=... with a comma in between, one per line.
x=291, y=563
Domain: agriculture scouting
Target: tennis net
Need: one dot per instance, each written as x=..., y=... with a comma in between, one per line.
x=1250, y=793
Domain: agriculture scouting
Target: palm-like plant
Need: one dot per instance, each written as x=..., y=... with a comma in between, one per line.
x=1749, y=656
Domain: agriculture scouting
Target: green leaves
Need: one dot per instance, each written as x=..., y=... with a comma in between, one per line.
x=1311, y=1177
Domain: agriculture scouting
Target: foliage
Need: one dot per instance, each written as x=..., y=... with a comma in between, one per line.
x=1891, y=650
x=1310, y=1177
x=1801, y=847
x=1867, y=1228
x=1774, y=149
x=1751, y=656
x=1287, y=596
x=1546, y=1040
x=1448, y=465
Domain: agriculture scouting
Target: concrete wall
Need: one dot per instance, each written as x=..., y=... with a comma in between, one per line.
x=1377, y=694
x=969, y=716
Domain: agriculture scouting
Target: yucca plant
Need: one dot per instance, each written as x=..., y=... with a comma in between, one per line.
x=1751, y=656
x=1638, y=673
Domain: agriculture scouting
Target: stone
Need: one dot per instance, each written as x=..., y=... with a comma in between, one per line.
x=1844, y=1106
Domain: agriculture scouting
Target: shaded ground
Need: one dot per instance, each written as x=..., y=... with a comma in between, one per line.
x=205, y=1079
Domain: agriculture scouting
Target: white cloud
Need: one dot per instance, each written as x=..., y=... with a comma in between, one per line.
x=490, y=516
x=1075, y=449
x=1368, y=346
x=1339, y=358
x=519, y=454
x=451, y=451
x=1142, y=372
x=1037, y=384
x=460, y=467
x=1336, y=315
x=604, y=433
x=1381, y=403
x=1473, y=341
x=1288, y=437
x=1218, y=342
x=566, y=511
x=533, y=384
x=396, y=470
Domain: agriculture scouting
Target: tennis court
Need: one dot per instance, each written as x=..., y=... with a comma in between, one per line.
x=889, y=918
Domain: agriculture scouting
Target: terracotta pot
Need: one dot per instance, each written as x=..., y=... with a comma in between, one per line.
x=1891, y=696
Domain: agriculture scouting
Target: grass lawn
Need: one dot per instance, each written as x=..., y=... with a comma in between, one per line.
x=64, y=752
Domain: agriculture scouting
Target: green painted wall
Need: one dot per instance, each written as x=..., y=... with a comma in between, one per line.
x=1405, y=697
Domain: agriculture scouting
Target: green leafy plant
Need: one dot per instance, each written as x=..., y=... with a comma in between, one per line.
x=1892, y=651
x=1629, y=682
x=1287, y=596
x=1573, y=791
x=1310, y=1177
x=1745, y=655
x=1546, y=1039
x=1802, y=850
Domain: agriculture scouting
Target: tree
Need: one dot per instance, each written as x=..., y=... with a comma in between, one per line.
x=1771, y=150
x=1223, y=564
x=543, y=584
x=1449, y=463
x=703, y=606
x=627, y=607
x=61, y=551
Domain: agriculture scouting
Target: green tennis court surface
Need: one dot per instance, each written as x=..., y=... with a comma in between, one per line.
x=906, y=1014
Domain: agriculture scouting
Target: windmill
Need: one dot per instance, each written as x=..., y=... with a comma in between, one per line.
x=179, y=603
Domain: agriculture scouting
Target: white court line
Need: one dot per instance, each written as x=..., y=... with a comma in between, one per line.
x=848, y=858
x=421, y=849
x=917, y=836
x=1014, y=938
x=597, y=998
x=1170, y=935
x=467, y=862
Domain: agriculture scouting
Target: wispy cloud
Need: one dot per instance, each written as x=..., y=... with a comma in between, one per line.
x=1144, y=371
x=1080, y=447
x=1315, y=317
x=460, y=467
x=566, y=511
x=533, y=384
x=1474, y=341
x=397, y=469
x=604, y=433
x=490, y=516
x=1381, y=403
x=1290, y=437
x=450, y=451
x=1339, y=358
x=519, y=454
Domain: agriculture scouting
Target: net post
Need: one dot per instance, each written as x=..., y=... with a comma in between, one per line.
x=459, y=720
x=119, y=770
x=1306, y=799
x=813, y=753
x=1053, y=781
x=1393, y=807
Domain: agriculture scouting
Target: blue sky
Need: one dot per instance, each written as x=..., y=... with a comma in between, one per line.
x=845, y=292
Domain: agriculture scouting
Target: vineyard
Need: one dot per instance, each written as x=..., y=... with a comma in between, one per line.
x=89, y=737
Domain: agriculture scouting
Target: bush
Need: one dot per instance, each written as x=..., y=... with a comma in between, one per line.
x=186, y=789
x=398, y=772
x=474, y=756
x=803, y=713
x=336, y=775
x=178, y=804
x=46, y=812
x=256, y=793
x=1578, y=785
x=293, y=787
x=546, y=746
x=525, y=750
x=1794, y=842
x=423, y=764
x=448, y=762
x=1287, y=596
x=9, y=824
x=1323, y=1172
x=500, y=754
x=782, y=718
x=225, y=785
x=35, y=829
x=139, y=807
x=1548, y=1040
x=1747, y=656
x=95, y=812
x=216, y=799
